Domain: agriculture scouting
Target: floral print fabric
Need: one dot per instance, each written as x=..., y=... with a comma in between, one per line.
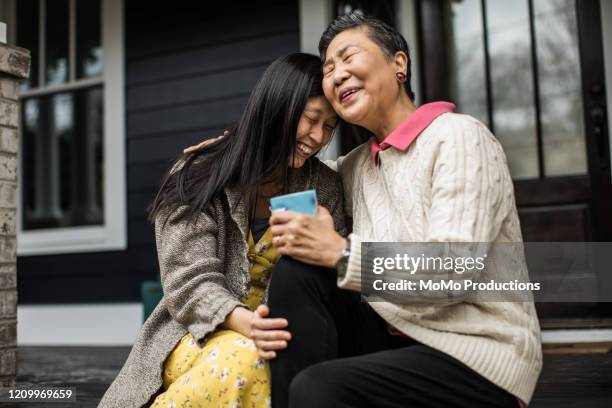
x=226, y=371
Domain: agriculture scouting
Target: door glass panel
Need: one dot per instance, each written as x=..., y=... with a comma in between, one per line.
x=512, y=87
x=468, y=88
x=500, y=49
x=562, y=111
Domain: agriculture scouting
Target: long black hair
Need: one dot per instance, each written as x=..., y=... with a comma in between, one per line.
x=258, y=148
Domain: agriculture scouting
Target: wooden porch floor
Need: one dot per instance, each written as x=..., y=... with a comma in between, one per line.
x=568, y=380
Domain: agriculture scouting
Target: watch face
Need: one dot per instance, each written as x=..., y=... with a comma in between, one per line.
x=344, y=257
x=341, y=266
x=343, y=262
x=346, y=252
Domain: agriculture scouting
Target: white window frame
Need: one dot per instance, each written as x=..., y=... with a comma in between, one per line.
x=112, y=235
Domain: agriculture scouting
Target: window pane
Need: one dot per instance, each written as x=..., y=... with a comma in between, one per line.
x=41, y=163
x=31, y=167
x=512, y=85
x=57, y=41
x=560, y=88
x=63, y=160
x=88, y=157
x=27, y=36
x=62, y=130
x=88, y=34
x=468, y=88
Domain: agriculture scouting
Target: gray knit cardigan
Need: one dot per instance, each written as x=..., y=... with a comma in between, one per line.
x=204, y=272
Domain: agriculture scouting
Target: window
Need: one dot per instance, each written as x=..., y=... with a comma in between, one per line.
x=72, y=166
x=516, y=67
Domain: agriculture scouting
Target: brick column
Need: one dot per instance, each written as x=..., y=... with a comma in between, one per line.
x=14, y=66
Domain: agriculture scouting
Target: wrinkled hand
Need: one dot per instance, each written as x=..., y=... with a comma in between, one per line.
x=307, y=238
x=268, y=333
x=205, y=143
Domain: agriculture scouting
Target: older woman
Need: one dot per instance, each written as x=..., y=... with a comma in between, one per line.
x=429, y=175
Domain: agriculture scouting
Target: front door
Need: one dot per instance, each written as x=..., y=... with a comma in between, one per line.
x=533, y=71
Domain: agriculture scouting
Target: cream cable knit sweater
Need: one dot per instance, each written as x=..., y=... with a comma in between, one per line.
x=451, y=185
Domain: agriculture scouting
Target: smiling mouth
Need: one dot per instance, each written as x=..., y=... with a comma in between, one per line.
x=304, y=149
x=346, y=95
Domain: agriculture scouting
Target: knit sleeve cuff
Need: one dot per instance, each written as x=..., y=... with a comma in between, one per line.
x=352, y=278
x=202, y=329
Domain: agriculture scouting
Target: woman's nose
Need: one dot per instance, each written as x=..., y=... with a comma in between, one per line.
x=340, y=75
x=317, y=136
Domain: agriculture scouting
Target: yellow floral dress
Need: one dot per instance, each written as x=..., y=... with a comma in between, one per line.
x=227, y=371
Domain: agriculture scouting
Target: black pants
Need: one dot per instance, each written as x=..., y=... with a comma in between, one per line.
x=342, y=355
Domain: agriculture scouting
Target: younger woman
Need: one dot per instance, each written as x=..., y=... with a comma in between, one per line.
x=215, y=250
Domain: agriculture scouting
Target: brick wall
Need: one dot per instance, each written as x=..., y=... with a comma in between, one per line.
x=14, y=65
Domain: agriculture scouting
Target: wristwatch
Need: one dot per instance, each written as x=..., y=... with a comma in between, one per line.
x=342, y=263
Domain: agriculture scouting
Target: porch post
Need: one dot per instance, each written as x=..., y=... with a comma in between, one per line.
x=14, y=66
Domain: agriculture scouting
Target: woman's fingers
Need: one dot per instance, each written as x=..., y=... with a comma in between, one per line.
x=266, y=334
x=270, y=334
x=263, y=310
x=269, y=324
x=203, y=144
x=266, y=355
x=271, y=345
x=281, y=217
x=199, y=146
x=303, y=254
x=289, y=240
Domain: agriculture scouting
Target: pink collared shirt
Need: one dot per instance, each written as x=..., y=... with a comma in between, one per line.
x=407, y=132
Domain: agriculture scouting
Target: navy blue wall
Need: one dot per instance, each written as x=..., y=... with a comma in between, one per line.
x=188, y=74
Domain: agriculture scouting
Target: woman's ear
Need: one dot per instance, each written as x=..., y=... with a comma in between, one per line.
x=400, y=59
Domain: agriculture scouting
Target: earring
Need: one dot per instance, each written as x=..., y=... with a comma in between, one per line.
x=401, y=77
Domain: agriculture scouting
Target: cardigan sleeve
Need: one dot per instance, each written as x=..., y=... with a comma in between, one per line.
x=468, y=202
x=192, y=277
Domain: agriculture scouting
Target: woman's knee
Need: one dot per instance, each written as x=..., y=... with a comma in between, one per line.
x=247, y=357
x=228, y=345
x=290, y=269
x=291, y=276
